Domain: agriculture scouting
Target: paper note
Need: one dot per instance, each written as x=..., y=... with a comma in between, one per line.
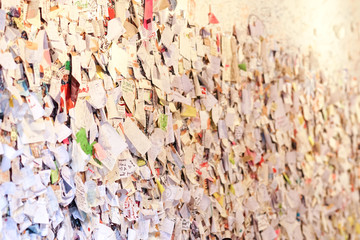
x=128, y=90
x=148, y=13
x=112, y=143
x=115, y=29
x=2, y=20
x=136, y=137
x=35, y=107
x=97, y=94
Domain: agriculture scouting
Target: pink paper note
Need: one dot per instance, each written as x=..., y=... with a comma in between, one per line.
x=148, y=13
x=99, y=151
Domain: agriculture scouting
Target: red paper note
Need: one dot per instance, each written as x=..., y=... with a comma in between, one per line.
x=213, y=19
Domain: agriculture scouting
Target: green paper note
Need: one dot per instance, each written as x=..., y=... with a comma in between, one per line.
x=163, y=120
x=67, y=65
x=242, y=66
x=82, y=140
x=54, y=176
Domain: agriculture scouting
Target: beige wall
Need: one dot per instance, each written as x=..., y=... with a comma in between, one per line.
x=329, y=27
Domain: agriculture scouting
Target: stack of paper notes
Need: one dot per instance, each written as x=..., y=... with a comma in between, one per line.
x=123, y=119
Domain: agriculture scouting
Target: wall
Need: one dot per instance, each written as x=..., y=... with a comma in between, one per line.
x=330, y=28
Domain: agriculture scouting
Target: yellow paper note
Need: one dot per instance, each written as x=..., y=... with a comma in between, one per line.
x=188, y=111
